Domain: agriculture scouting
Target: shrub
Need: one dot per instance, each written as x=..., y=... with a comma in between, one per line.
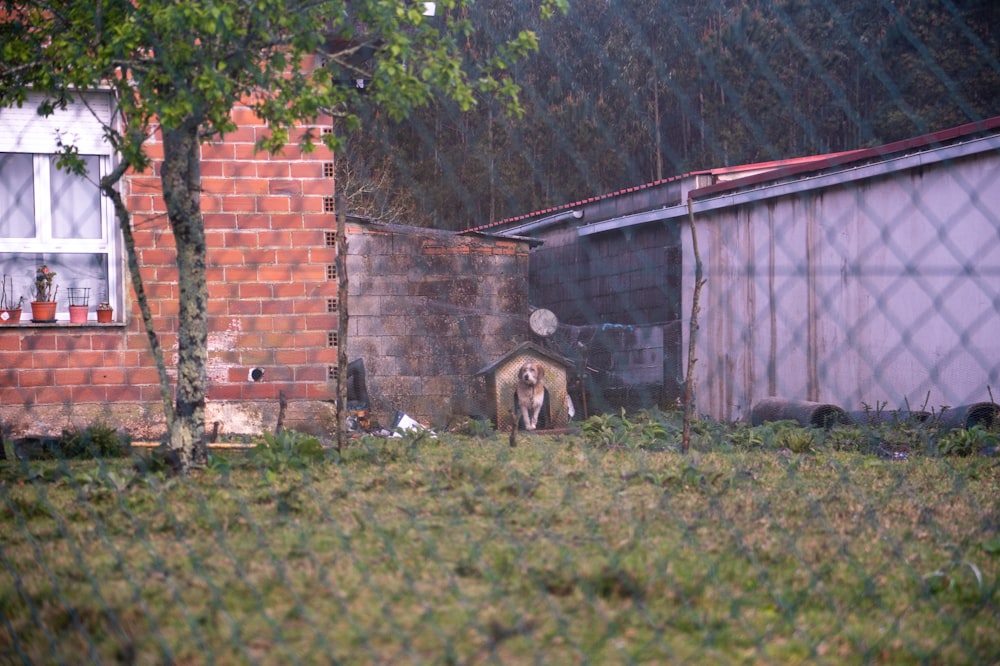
x=95, y=441
x=966, y=442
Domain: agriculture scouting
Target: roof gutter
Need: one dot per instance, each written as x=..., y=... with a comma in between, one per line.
x=763, y=193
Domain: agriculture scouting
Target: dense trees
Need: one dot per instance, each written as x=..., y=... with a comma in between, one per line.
x=628, y=91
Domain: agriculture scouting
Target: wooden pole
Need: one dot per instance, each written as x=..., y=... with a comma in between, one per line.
x=341, y=267
x=699, y=280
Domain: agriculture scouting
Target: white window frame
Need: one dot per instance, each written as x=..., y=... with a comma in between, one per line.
x=81, y=125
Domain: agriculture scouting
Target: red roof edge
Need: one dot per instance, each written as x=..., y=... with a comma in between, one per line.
x=775, y=169
x=581, y=202
x=838, y=159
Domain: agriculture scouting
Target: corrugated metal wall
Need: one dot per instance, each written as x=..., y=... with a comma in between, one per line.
x=877, y=290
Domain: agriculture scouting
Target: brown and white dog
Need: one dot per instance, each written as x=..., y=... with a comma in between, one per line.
x=530, y=397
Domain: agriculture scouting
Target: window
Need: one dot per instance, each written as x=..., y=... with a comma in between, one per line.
x=52, y=217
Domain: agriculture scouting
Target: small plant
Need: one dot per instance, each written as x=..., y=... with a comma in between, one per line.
x=45, y=289
x=611, y=431
x=744, y=436
x=966, y=442
x=287, y=449
x=7, y=298
x=849, y=438
x=901, y=438
x=95, y=441
x=602, y=430
x=797, y=440
x=478, y=428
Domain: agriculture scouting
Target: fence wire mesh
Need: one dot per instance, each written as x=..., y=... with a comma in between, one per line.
x=609, y=548
x=876, y=541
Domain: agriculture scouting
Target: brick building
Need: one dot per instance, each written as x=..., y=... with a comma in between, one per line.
x=427, y=309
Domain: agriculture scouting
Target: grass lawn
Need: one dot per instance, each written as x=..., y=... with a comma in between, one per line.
x=464, y=550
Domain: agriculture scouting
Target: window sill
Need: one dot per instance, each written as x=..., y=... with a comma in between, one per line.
x=61, y=324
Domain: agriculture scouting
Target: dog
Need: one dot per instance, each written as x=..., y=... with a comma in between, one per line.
x=531, y=399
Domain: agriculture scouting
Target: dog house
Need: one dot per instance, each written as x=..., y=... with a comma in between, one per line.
x=497, y=384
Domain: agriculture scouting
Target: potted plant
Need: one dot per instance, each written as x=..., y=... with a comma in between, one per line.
x=43, y=308
x=10, y=312
x=79, y=301
x=104, y=313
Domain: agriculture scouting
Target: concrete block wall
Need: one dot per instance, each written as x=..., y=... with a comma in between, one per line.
x=621, y=292
x=428, y=309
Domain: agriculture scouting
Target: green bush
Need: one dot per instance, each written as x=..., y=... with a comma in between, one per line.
x=966, y=442
x=94, y=441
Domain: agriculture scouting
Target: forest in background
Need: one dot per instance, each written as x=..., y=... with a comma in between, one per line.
x=626, y=92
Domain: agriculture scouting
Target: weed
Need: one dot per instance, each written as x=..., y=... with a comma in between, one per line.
x=849, y=438
x=644, y=430
x=95, y=441
x=904, y=437
x=744, y=436
x=966, y=442
x=160, y=461
x=478, y=428
x=798, y=440
x=287, y=449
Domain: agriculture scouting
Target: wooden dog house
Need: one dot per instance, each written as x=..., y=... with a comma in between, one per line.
x=498, y=383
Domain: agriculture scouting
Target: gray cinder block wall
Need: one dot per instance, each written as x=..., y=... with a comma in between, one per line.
x=427, y=310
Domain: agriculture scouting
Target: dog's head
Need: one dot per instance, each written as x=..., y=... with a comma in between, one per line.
x=530, y=373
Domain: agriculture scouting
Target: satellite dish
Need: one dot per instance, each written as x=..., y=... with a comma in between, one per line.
x=543, y=322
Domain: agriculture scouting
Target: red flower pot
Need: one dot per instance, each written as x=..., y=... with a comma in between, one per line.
x=78, y=314
x=43, y=311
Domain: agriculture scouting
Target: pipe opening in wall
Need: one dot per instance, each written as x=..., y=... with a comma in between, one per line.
x=256, y=374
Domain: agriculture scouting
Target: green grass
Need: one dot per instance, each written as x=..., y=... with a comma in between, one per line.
x=463, y=550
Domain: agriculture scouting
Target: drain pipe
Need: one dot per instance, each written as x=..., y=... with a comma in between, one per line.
x=543, y=222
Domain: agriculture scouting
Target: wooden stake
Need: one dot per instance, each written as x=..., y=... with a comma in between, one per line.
x=699, y=280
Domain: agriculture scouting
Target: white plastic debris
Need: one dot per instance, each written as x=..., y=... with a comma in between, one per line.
x=405, y=423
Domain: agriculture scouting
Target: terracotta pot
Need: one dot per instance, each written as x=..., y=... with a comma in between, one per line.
x=9, y=316
x=78, y=314
x=104, y=316
x=43, y=311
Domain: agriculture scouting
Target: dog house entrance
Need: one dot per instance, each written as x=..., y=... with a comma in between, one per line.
x=497, y=384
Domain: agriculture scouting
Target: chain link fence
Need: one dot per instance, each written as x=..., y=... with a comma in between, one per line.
x=874, y=541
x=607, y=547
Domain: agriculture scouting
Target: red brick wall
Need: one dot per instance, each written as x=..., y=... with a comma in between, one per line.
x=267, y=259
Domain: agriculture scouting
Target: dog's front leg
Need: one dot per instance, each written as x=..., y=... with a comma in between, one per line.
x=534, y=418
x=529, y=423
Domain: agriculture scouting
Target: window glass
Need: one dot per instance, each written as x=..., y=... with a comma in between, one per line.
x=76, y=271
x=17, y=195
x=52, y=217
x=76, y=200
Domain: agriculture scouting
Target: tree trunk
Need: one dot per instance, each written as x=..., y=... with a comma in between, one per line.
x=181, y=177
